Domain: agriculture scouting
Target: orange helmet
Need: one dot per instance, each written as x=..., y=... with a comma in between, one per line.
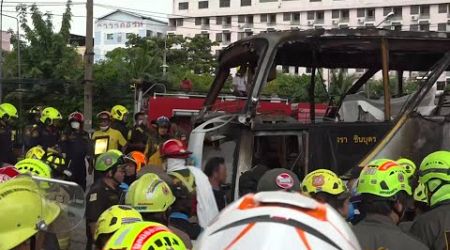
x=174, y=149
x=139, y=158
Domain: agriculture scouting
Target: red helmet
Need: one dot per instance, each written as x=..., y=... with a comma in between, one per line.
x=76, y=116
x=8, y=172
x=174, y=149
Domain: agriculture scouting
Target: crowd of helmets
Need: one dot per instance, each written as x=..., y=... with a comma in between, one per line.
x=387, y=204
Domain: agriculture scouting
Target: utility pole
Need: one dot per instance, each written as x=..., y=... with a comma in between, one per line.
x=88, y=64
x=164, y=66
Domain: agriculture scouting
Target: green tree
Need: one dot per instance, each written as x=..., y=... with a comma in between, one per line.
x=199, y=58
x=340, y=83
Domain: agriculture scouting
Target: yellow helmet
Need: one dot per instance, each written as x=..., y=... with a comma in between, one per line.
x=420, y=193
x=49, y=115
x=34, y=167
x=149, y=194
x=36, y=152
x=23, y=211
x=114, y=218
x=144, y=235
x=408, y=165
x=9, y=110
x=119, y=112
x=323, y=180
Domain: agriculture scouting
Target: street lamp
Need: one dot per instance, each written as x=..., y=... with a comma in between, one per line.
x=387, y=17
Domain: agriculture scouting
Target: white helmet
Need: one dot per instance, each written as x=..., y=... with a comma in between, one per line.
x=278, y=220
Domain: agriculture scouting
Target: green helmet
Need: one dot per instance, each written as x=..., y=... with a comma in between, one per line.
x=435, y=175
x=114, y=218
x=383, y=178
x=109, y=160
x=408, y=165
x=34, y=167
x=49, y=115
x=420, y=193
x=149, y=194
x=9, y=110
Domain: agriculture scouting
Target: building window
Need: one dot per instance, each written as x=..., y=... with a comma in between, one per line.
x=149, y=33
x=310, y=15
x=319, y=15
x=360, y=12
x=183, y=5
x=241, y=19
x=119, y=37
x=443, y=8
x=414, y=27
x=263, y=18
x=398, y=12
x=206, y=21
x=159, y=34
x=109, y=36
x=442, y=26
x=227, y=21
x=227, y=37
x=286, y=16
x=219, y=37
x=219, y=20
x=386, y=10
x=296, y=17
x=198, y=21
x=172, y=22
x=272, y=18
x=246, y=2
x=224, y=3
x=335, y=14
x=179, y=22
x=250, y=19
x=345, y=15
x=203, y=4
x=425, y=10
x=424, y=27
x=414, y=10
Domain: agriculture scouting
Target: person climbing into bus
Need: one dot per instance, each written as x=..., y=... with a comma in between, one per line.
x=174, y=155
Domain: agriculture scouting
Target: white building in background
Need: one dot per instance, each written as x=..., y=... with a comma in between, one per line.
x=111, y=30
x=227, y=21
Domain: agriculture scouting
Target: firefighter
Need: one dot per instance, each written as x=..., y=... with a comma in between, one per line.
x=139, y=134
x=433, y=227
x=106, y=138
x=75, y=144
x=34, y=114
x=384, y=190
x=153, y=198
x=119, y=119
x=46, y=133
x=105, y=192
x=154, y=143
x=174, y=156
x=7, y=114
x=325, y=186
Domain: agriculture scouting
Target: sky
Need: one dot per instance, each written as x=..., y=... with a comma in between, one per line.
x=155, y=8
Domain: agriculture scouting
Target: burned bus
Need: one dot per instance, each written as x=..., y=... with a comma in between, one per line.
x=349, y=129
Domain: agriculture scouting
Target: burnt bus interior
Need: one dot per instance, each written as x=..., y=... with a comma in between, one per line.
x=247, y=138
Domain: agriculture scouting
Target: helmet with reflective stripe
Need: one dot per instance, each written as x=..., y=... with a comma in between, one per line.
x=162, y=121
x=420, y=193
x=76, y=116
x=114, y=218
x=144, y=235
x=109, y=160
x=149, y=194
x=36, y=152
x=139, y=158
x=384, y=178
x=278, y=220
x=119, y=112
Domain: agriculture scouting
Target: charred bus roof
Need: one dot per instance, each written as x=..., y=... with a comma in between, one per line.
x=337, y=48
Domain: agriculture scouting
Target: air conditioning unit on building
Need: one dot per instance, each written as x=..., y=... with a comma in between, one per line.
x=335, y=22
x=310, y=22
x=361, y=20
x=414, y=18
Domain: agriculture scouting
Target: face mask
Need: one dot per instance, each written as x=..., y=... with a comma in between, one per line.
x=75, y=125
x=104, y=128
